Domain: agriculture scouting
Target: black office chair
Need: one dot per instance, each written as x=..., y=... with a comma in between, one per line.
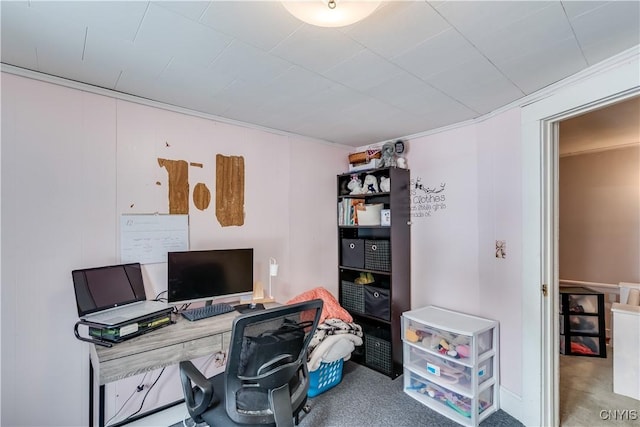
x=266, y=379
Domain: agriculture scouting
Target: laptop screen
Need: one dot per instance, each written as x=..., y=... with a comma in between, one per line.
x=101, y=288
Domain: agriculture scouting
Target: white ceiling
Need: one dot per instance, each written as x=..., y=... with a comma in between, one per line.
x=410, y=67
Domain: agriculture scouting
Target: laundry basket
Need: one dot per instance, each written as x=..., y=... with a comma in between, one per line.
x=325, y=377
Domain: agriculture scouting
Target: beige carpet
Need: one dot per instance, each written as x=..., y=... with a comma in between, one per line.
x=586, y=394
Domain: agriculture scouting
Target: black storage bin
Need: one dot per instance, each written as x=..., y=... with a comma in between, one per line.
x=353, y=253
x=378, y=353
x=352, y=296
x=376, y=302
x=377, y=255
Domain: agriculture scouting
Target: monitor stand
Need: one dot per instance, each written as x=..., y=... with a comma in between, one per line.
x=245, y=308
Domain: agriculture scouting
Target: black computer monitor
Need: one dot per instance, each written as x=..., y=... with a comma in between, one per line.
x=208, y=274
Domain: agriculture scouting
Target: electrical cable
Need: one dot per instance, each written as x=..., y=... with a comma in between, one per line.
x=128, y=399
x=145, y=395
x=207, y=362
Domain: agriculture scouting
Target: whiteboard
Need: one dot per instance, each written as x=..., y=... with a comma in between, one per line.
x=146, y=238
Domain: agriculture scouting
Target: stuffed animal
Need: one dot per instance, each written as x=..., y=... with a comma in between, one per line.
x=385, y=184
x=463, y=350
x=388, y=155
x=370, y=184
x=355, y=185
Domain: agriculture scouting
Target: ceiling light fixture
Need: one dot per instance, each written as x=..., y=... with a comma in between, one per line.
x=330, y=13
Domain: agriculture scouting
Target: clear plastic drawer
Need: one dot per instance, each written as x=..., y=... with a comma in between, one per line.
x=448, y=372
x=583, y=303
x=583, y=324
x=444, y=342
x=587, y=346
x=445, y=398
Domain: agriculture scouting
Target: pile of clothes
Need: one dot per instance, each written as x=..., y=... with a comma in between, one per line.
x=336, y=336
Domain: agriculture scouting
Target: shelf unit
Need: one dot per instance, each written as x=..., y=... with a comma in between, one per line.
x=451, y=363
x=383, y=254
x=582, y=322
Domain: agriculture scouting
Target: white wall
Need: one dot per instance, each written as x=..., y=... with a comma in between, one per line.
x=72, y=162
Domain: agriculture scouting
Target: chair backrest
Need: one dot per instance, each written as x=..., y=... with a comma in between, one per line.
x=268, y=351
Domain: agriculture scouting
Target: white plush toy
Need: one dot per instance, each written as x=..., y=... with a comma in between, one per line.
x=355, y=185
x=385, y=184
x=370, y=184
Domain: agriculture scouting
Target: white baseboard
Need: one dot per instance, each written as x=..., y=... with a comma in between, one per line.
x=511, y=404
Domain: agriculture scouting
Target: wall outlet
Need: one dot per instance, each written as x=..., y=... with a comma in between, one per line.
x=501, y=248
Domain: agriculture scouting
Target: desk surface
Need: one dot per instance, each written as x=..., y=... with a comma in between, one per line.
x=183, y=340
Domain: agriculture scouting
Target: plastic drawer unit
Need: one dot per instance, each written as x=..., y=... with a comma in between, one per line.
x=451, y=363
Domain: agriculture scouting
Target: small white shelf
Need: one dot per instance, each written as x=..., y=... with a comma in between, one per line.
x=451, y=363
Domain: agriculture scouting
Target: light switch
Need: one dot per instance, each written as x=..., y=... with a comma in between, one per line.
x=501, y=248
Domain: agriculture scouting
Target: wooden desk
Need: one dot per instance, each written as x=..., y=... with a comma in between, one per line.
x=183, y=340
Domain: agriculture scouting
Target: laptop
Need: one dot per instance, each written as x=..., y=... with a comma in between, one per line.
x=114, y=295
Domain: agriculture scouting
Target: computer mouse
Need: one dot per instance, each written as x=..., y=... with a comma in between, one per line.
x=252, y=305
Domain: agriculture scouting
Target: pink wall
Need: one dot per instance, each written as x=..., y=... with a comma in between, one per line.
x=500, y=218
x=313, y=243
x=455, y=228
x=76, y=161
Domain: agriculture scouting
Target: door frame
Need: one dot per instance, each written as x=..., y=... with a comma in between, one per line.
x=612, y=82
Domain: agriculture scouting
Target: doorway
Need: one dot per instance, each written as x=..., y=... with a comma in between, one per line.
x=551, y=175
x=597, y=226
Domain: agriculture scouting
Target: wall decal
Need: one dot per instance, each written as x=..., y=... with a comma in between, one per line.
x=178, y=185
x=425, y=200
x=230, y=190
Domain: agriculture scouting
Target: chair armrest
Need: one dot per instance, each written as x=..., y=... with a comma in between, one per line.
x=190, y=376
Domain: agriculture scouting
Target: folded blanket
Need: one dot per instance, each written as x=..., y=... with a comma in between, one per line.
x=333, y=327
x=331, y=307
x=332, y=348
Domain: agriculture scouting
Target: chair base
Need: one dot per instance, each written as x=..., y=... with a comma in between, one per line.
x=218, y=416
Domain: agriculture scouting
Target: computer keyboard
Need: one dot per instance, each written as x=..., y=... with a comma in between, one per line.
x=207, y=311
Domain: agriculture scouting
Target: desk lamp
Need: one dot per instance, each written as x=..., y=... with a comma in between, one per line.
x=273, y=272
